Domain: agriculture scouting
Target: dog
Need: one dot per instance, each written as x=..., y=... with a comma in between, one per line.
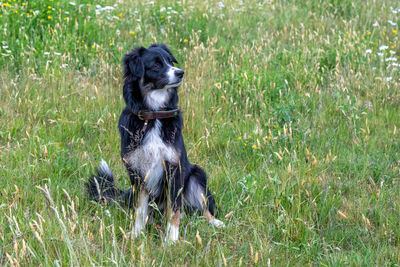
x=152, y=147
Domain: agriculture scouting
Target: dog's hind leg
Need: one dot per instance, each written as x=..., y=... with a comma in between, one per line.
x=197, y=195
x=142, y=211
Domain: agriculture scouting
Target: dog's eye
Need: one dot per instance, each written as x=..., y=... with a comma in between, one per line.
x=156, y=66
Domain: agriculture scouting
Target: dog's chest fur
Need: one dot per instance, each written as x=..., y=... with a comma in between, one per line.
x=148, y=158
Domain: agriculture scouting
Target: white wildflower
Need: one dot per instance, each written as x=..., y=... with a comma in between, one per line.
x=100, y=9
x=391, y=59
x=46, y=53
x=57, y=53
x=388, y=79
x=72, y=3
x=376, y=24
x=392, y=52
x=392, y=23
x=368, y=51
x=107, y=212
x=162, y=9
x=383, y=47
x=117, y=32
x=221, y=5
x=379, y=54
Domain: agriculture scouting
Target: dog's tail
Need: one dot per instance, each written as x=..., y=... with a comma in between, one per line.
x=101, y=187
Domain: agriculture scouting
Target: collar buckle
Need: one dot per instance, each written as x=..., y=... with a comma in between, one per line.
x=140, y=115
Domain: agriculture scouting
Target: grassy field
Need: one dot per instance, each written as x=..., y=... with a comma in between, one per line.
x=291, y=107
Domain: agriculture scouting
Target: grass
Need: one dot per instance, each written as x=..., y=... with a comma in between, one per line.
x=292, y=108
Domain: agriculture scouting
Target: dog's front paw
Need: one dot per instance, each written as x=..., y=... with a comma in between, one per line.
x=139, y=227
x=217, y=223
x=172, y=235
x=137, y=231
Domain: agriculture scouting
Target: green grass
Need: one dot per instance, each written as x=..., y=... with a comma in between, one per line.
x=296, y=124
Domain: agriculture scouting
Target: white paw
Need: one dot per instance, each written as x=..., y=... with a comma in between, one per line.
x=136, y=232
x=172, y=235
x=217, y=223
x=139, y=226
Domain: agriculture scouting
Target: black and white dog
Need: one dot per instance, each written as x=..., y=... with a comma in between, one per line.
x=152, y=146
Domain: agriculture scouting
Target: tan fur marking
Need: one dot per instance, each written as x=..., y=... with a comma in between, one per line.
x=208, y=215
x=142, y=194
x=176, y=218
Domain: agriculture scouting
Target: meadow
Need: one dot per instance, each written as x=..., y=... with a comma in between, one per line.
x=291, y=107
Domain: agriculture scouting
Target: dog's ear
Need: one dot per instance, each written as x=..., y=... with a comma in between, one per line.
x=166, y=49
x=133, y=64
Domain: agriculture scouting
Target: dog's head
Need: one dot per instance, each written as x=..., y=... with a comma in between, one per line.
x=153, y=67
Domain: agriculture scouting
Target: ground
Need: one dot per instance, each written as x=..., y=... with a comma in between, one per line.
x=291, y=107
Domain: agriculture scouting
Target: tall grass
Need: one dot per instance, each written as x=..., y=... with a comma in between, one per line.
x=292, y=108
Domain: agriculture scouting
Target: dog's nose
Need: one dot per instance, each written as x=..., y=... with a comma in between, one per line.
x=179, y=73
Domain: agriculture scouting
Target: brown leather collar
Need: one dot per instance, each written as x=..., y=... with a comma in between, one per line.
x=158, y=114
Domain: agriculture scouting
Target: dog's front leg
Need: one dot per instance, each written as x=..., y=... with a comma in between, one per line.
x=174, y=206
x=142, y=211
x=174, y=218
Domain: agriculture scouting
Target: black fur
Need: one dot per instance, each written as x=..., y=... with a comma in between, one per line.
x=142, y=75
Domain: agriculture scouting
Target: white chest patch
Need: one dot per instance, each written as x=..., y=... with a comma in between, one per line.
x=148, y=158
x=157, y=99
